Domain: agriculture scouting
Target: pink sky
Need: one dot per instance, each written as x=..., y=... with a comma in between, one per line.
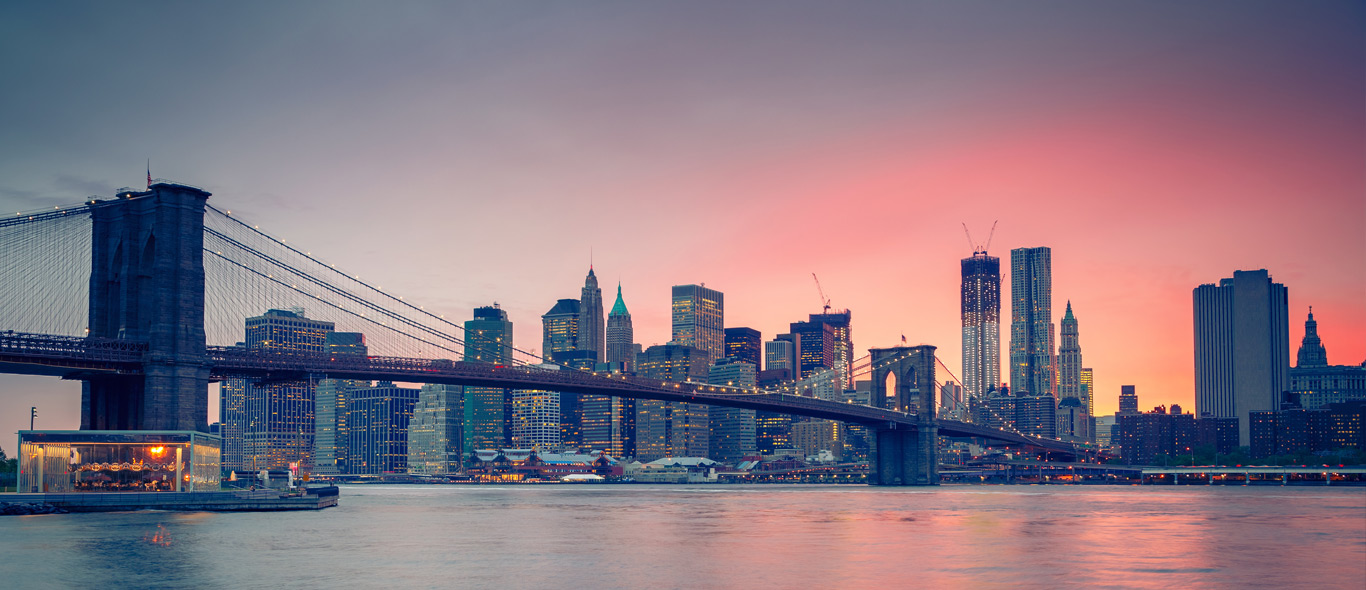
x=466, y=155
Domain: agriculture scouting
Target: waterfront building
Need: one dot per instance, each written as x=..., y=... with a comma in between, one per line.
x=1314, y=383
x=842, y=341
x=772, y=430
x=732, y=429
x=378, y=419
x=1334, y=427
x=1150, y=438
x=1242, y=347
x=981, y=311
x=278, y=418
x=591, y=320
x=609, y=424
x=816, y=348
x=745, y=345
x=813, y=436
x=331, y=430
x=698, y=316
x=620, y=336
x=232, y=417
x=1032, y=363
x=780, y=354
x=487, y=410
x=536, y=421
x=434, y=435
x=1069, y=380
x=672, y=429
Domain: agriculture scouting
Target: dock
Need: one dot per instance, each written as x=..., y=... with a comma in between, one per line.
x=265, y=500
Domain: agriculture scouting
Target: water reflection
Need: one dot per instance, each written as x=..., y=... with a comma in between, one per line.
x=719, y=537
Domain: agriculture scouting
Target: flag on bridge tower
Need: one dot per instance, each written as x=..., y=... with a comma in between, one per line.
x=903, y=338
x=149, y=173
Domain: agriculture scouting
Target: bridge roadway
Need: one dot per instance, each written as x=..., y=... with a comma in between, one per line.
x=74, y=358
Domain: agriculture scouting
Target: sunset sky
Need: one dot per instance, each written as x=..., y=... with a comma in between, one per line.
x=466, y=153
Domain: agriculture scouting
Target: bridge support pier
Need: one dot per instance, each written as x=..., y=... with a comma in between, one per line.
x=904, y=457
x=147, y=284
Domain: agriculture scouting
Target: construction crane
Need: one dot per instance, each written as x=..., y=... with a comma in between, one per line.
x=978, y=248
x=825, y=302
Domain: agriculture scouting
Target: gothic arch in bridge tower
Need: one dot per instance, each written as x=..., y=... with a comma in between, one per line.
x=910, y=370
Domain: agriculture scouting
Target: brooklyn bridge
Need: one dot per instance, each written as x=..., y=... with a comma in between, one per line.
x=139, y=298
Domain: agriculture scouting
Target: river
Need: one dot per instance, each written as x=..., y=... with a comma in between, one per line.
x=718, y=536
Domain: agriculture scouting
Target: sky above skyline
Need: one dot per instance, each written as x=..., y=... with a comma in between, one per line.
x=462, y=154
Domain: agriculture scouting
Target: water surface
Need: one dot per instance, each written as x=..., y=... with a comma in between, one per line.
x=638, y=536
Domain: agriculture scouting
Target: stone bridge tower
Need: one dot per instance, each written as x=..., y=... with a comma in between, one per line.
x=900, y=455
x=147, y=285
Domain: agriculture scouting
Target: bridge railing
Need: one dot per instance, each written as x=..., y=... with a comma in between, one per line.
x=71, y=347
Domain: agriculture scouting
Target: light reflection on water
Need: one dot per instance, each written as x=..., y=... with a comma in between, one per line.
x=608, y=536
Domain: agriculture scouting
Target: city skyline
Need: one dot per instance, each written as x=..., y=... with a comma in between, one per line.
x=1121, y=121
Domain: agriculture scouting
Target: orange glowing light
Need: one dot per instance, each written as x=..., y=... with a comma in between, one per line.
x=157, y=450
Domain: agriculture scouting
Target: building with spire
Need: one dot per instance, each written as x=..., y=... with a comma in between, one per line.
x=591, y=322
x=1070, y=382
x=620, y=335
x=1032, y=362
x=1315, y=383
x=981, y=309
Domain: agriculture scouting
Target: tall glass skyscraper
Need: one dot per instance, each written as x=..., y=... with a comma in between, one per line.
x=1242, y=347
x=699, y=319
x=279, y=418
x=981, y=305
x=842, y=339
x=487, y=410
x=1032, y=362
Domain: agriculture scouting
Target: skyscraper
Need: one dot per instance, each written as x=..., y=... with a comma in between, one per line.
x=377, y=419
x=591, y=322
x=279, y=417
x=435, y=432
x=782, y=354
x=842, y=340
x=672, y=429
x=745, y=345
x=1128, y=400
x=1032, y=365
x=816, y=347
x=699, y=319
x=563, y=334
x=732, y=429
x=560, y=328
x=1069, y=377
x=487, y=415
x=1242, y=347
x=620, y=335
x=332, y=430
x=981, y=307
x=536, y=418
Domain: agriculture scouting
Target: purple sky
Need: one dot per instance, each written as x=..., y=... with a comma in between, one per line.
x=465, y=154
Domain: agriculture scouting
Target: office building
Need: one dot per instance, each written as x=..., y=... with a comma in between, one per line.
x=1128, y=399
x=812, y=436
x=560, y=328
x=1037, y=415
x=591, y=321
x=981, y=308
x=698, y=315
x=279, y=418
x=620, y=335
x=732, y=429
x=816, y=347
x=1070, y=382
x=1156, y=437
x=331, y=431
x=1242, y=347
x=842, y=337
x=435, y=436
x=487, y=410
x=232, y=417
x=745, y=345
x=672, y=429
x=377, y=419
x=536, y=420
x=1032, y=363
x=781, y=353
